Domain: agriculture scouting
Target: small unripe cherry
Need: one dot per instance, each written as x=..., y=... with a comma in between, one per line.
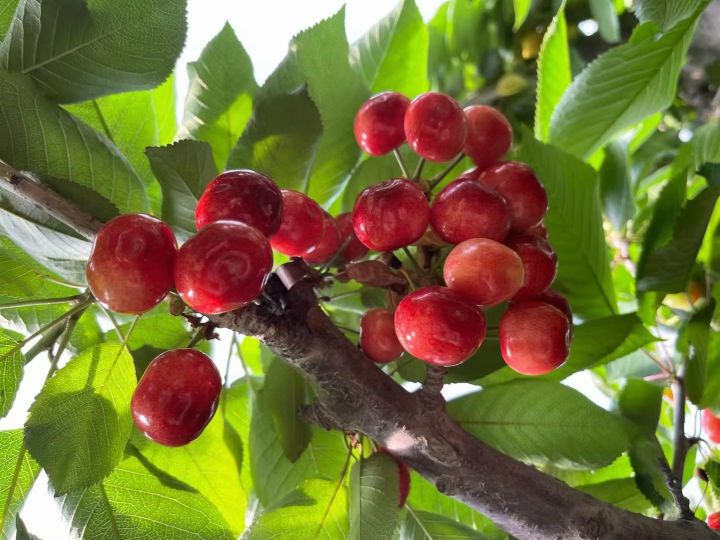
x=378, y=339
x=439, y=326
x=130, y=269
x=241, y=195
x=713, y=521
x=522, y=190
x=539, y=265
x=390, y=215
x=354, y=248
x=556, y=299
x=489, y=135
x=328, y=245
x=379, y=123
x=534, y=337
x=711, y=425
x=223, y=267
x=483, y=271
x=301, y=226
x=466, y=209
x=403, y=477
x=176, y=397
x=435, y=126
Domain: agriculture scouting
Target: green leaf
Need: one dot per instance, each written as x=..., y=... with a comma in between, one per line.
x=543, y=422
x=236, y=406
x=318, y=509
x=640, y=401
x=701, y=354
x=622, y=493
x=219, y=100
x=80, y=422
x=603, y=11
x=665, y=13
x=134, y=502
x=184, y=169
x=615, y=186
x=706, y=144
x=645, y=455
x=553, y=72
x=77, y=52
x=374, y=495
x=156, y=327
x=522, y=10
x=7, y=11
x=574, y=222
x=18, y=471
x=620, y=88
x=393, y=54
x=421, y=525
x=12, y=363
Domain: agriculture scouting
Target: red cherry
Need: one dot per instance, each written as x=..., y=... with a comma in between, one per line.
x=483, y=271
x=223, y=267
x=435, y=126
x=403, y=477
x=465, y=209
x=301, y=226
x=489, y=135
x=379, y=123
x=539, y=230
x=176, y=397
x=328, y=245
x=557, y=300
x=539, y=263
x=378, y=339
x=439, y=326
x=713, y=521
x=534, y=337
x=390, y=215
x=241, y=195
x=711, y=425
x=522, y=190
x=354, y=248
x=131, y=263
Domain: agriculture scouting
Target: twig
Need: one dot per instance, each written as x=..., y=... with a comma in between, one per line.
x=401, y=162
x=680, y=441
x=675, y=487
x=431, y=391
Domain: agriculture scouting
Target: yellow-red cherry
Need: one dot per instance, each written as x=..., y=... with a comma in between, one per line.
x=301, y=226
x=489, y=135
x=539, y=265
x=379, y=123
x=378, y=339
x=435, y=126
x=328, y=245
x=354, y=249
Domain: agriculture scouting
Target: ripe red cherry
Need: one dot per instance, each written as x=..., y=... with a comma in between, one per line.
x=439, y=326
x=557, y=300
x=711, y=425
x=241, y=195
x=131, y=263
x=435, y=126
x=223, y=267
x=465, y=209
x=483, y=271
x=378, y=339
x=354, y=248
x=390, y=215
x=328, y=245
x=539, y=230
x=539, y=265
x=379, y=123
x=176, y=397
x=403, y=477
x=522, y=190
x=301, y=226
x=534, y=337
x=713, y=521
x=489, y=135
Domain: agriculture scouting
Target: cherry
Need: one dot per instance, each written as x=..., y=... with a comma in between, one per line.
x=489, y=135
x=390, y=215
x=539, y=230
x=223, y=267
x=539, y=263
x=711, y=425
x=241, y=195
x=176, y=397
x=301, y=226
x=483, y=271
x=465, y=209
x=378, y=339
x=534, y=337
x=131, y=263
x=439, y=326
x=523, y=191
x=557, y=300
x=328, y=245
x=354, y=248
x=379, y=123
x=435, y=126
x=713, y=521
x=403, y=477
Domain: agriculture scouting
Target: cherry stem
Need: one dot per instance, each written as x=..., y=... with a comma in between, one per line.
x=401, y=162
x=339, y=252
x=64, y=340
x=439, y=178
x=413, y=261
x=419, y=169
x=344, y=294
x=41, y=302
x=197, y=337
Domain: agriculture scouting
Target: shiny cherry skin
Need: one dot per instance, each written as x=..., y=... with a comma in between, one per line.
x=557, y=300
x=131, y=264
x=354, y=248
x=390, y=215
x=539, y=265
x=483, y=271
x=379, y=123
x=241, y=195
x=176, y=397
x=223, y=267
x=522, y=190
x=489, y=135
x=466, y=209
x=435, y=126
x=378, y=339
x=711, y=425
x=713, y=521
x=534, y=337
x=439, y=326
x=328, y=245
x=403, y=477
x=302, y=224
